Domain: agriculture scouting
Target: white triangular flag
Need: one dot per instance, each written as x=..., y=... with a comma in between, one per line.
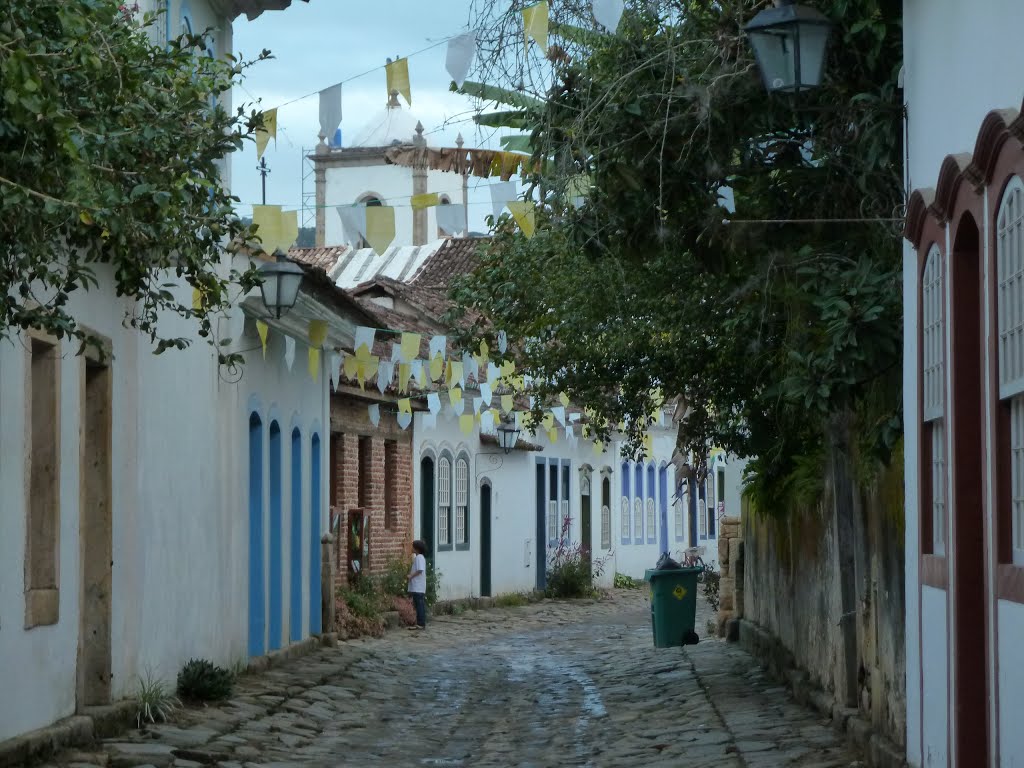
x=485, y=393
x=385, y=373
x=469, y=367
x=476, y=404
x=559, y=413
x=434, y=403
x=502, y=193
x=419, y=372
x=461, y=50
x=428, y=420
x=487, y=422
x=353, y=222
x=502, y=342
x=404, y=420
x=459, y=406
x=374, y=411
x=289, y=351
x=396, y=353
x=451, y=218
x=493, y=373
x=438, y=344
x=608, y=13
x=335, y=363
x=330, y=111
x=574, y=417
x=364, y=338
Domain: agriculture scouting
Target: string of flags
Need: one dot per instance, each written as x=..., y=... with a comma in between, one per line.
x=470, y=387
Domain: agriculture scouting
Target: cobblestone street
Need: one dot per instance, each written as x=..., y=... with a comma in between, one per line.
x=549, y=684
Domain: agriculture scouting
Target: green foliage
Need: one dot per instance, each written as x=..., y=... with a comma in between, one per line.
x=512, y=600
x=110, y=156
x=433, y=583
x=762, y=331
x=710, y=587
x=571, y=568
x=201, y=680
x=365, y=598
x=394, y=582
x=154, y=699
x=622, y=581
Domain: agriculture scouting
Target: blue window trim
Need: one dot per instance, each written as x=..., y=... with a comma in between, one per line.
x=652, y=531
x=186, y=17
x=565, y=495
x=549, y=497
x=315, y=617
x=663, y=489
x=257, y=562
x=295, y=541
x=469, y=505
x=638, y=493
x=629, y=504
x=275, y=620
x=450, y=546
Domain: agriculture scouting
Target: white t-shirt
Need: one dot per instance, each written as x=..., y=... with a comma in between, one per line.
x=418, y=583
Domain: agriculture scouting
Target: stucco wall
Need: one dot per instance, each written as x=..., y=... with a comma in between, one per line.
x=791, y=590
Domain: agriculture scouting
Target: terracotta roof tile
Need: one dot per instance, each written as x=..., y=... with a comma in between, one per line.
x=322, y=258
x=458, y=256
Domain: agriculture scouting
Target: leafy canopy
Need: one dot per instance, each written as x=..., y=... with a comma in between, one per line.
x=111, y=149
x=676, y=273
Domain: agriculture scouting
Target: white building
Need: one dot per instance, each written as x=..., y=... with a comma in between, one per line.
x=963, y=379
x=158, y=508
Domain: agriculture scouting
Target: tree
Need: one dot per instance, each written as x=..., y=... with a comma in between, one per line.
x=110, y=154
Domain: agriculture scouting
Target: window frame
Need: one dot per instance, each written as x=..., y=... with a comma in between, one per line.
x=443, y=510
x=606, y=510
x=651, y=504
x=638, y=503
x=932, y=337
x=461, y=486
x=625, y=507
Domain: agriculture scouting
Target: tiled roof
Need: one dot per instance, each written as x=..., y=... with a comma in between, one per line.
x=521, y=445
x=322, y=258
x=457, y=256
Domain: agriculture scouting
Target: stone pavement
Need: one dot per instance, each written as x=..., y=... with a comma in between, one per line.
x=549, y=684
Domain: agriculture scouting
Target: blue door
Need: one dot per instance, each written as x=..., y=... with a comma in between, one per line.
x=663, y=501
x=314, y=538
x=257, y=595
x=276, y=555
x=295, y=564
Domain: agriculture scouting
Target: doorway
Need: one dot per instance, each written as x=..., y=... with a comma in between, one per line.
x=427, y=505
x=485, y=540
x=257, y=589
x=585, y=521
x=94, y=644
x=970, y=640
x=663, y=509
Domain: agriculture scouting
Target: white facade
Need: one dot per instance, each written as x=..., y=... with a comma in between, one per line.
x=126, y=545
x=962, y=60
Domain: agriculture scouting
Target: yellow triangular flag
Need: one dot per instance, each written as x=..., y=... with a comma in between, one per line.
x=455, y=372
x=598, y=447
x=404, y=405
x=563, y=399
x=426, y=200
x=350, y=367
x=548, y=421
x=648, y=445
x=380, y=227
x=484, y=349
x=506, y=403
x=263, y=329
x=314, y=362
x=268, y=131
x=436, y=367
x=404, y=372
x=525, y=214
x=410, y=347
x=397, y=73
x=466, y=422
x=317, y=332
x=370, y=367
x=454, y=395
x=267, y=219
x=507, y=369
x=553, y=434
x=197, y=299
x=289, y=229
x=535, y=24
x=361, y=374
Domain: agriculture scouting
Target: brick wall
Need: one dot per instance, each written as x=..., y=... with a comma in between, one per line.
x=730, y=561
x=383, y=466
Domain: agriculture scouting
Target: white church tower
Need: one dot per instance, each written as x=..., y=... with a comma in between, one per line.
x=361, y=173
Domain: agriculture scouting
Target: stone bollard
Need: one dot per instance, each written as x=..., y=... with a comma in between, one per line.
x=327, y=570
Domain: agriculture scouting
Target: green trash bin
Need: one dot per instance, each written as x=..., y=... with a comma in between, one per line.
x=673, y=606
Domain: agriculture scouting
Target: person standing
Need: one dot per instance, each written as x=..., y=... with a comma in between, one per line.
x=418, y=583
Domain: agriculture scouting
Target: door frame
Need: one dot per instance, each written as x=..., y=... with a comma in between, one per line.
x=486, y=492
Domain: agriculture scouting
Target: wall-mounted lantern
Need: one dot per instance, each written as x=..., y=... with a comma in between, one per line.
x=790, y=42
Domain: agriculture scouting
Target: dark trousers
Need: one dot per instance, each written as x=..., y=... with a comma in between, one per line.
x=419, y=601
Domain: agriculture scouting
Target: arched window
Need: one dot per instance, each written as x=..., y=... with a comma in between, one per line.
x=1010, y=309
x=369, y=200
x=461, y=503
x=933, y=358
x=443, y=200
x=444, y=503
x=652, y=524
x=638, y=504
x=624, y=515
x=276, y=617
x=606, y=512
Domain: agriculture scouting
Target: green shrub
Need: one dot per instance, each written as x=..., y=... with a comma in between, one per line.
x=201, y=680
x=433, y=583
x=622, y=581
x=395, y=580
x=712, y=581
x=154, y=700
x=571, y=570
x=512, y=600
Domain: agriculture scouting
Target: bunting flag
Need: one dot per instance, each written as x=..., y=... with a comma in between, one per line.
x=428, y=420
x=466, y=422
x=535, y=24
x=607, y=13
x=364, y=342
x=385, y=372
x=353, y=223
x=506, y=403
x=485, y=351
x=405, y=405
x=502, y=342
x=501, y=194
x=492, y=374
x=197, y=299
x=419, y=372
x=289, y=230
x=454, y=395
x=553, y=435
x=470, y=367
x=436, y=367
x=263, y=329
x=648, y=445
x=487, y=421
x=426, y=200
x=330, y=111
x=577, y=189
x=485, y=393
x=404, y=372
x=374, y=412
x=317, y=334
x=525, y=214
x=559, y=413
x=451, y=218
x=335, y=363
x=380, y=227
x=461, y=50
x=456, y=374
x=410, y=346
x=289, y=351
x=350, y=367
x=267, y=132
x=438, y=344
x=434, y=403
x=404, y=420
x=397, y=73
x=598, y=447
x=458, y=407
x=267, y=220
x=548, y=421
x=563, y=399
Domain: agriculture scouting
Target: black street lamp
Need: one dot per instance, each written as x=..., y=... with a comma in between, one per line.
x=280, y=286
x=508, y=435
x=790, y=42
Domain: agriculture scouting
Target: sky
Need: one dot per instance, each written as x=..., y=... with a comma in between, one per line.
x=323, y=42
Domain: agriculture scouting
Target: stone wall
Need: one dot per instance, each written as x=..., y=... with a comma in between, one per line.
x=730, y=563
x=791, y=611
x=372, y=471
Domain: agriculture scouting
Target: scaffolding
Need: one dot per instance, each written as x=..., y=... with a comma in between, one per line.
x=308, y=217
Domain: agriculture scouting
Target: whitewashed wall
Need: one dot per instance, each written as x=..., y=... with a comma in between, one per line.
x=391, y=183
x=961, y=61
